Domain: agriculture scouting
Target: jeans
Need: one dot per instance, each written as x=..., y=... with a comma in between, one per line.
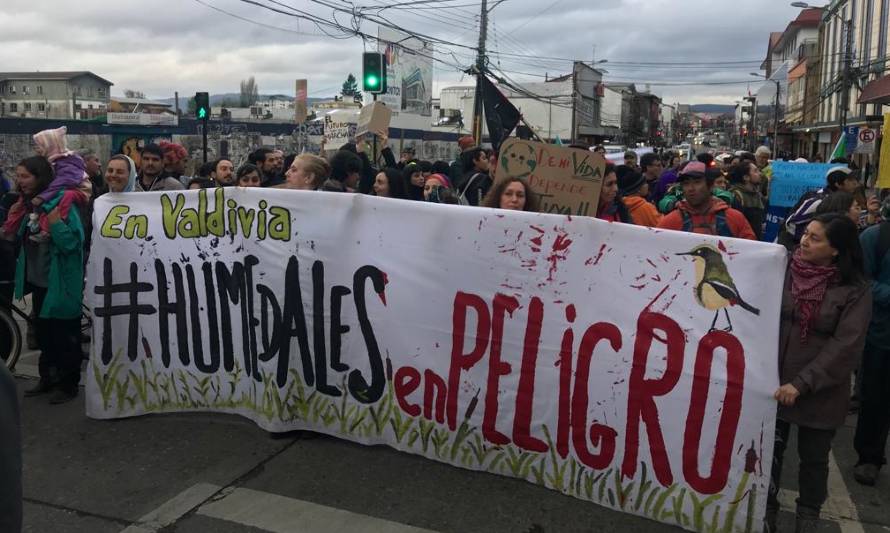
x=813, y=447
x=59, y=342
x=874, y=406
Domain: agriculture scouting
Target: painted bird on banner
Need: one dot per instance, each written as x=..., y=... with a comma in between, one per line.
x=714, y=288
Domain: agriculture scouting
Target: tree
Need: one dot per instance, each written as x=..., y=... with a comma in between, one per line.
x=350, y=89
x=250, y=93
x=130, y=93
x=191, y=106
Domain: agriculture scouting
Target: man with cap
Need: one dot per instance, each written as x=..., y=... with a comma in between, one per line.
x=630, y=159
x=840, y=178
x=406, y=157
x=456, y=168
x=634, y=188
x=700, y=212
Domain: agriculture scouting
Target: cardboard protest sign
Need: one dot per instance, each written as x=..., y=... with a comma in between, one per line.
x=575, y=355
x=374, y=118
x=337, y=131
x=568, y=180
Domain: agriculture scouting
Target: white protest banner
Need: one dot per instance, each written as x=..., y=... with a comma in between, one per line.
x=565, y=351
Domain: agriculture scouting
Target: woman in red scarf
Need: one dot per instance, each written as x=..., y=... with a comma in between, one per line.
x=611, y=208
x=826, y=307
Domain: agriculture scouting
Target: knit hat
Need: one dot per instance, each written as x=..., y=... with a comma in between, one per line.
x=630, y=182
x=466, y=142
x=441, y=178
x=52, y=143
x=693, y=169
x=179, y=152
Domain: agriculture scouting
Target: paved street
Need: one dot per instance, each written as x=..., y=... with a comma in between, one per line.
x=192, y=473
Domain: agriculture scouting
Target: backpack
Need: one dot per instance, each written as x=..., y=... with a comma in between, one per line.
x=462, y=198
x=720, y=226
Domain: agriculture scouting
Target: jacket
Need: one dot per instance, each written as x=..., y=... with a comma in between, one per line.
x=159, y=184
x=821, y=368
x=750, y=204
x=616, y=211
x=706, y=222
x=475, y=186
x=669, y=201
x=65, y=283
x=878, y=270
x=10, y=455
x=69, y=172
x=642, y=212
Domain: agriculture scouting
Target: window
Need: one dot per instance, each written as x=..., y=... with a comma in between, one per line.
x=27, y=106
x=102, y=91
x=41, y=107
x=882, y=34
x=13, y=108
x=40, y=89
x=90, y=92
x=25, y=89
x=11, y=88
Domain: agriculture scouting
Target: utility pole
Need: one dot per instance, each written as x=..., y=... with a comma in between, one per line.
x=480, y=71
x=845, y=79
x=776, y=123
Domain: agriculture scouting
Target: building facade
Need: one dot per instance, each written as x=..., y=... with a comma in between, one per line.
x=56, y=95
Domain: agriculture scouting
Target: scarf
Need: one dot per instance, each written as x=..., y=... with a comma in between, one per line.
x=808, y=285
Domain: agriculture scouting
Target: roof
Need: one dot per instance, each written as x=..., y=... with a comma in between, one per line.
x=139, y=101
x=807, y=18
x=876, y=91
x=67, y=75
x=774, y=37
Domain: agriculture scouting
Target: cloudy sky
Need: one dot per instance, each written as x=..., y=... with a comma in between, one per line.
x=162, y=46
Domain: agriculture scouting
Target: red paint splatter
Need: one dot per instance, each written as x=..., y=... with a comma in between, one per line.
x=677, y=275
x=600, y=254
x=529, y=264
x=480, y=226
x=657, y=296
x=638, y=287
x=665, y=258
x=651, y=263
x=721, y=246
x=570, y=218
x=539, y=230
x=537, y=241
x=589, y=261
x=519, y=237
x=500, y=216
x=558, y=301
x=507, y=250
x=508, y=286
x=656, y=278
x=558, y=253
x=641, y=276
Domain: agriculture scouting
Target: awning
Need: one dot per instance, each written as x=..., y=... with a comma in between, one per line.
x=876, y=92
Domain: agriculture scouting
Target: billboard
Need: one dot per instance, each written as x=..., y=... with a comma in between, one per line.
x=409, y=73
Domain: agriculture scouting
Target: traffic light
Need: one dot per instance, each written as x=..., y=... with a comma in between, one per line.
x=374, y=72
x=202, y=106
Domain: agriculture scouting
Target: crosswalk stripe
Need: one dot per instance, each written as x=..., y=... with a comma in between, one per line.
x=280, y=514
x=174, y=509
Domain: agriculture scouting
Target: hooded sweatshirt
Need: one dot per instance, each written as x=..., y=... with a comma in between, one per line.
x=69, y=168
x=641, y=211
x=704, y=221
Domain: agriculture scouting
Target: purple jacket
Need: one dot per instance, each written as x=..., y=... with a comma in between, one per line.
x=69, y=172
x=668, y=178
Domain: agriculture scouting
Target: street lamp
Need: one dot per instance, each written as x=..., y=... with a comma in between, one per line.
x=775, y=110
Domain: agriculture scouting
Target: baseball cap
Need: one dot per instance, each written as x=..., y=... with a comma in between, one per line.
x=694, y=169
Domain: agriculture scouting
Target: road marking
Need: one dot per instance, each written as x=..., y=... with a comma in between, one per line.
x=174, y=509
x=839, y=507
x=280, y=514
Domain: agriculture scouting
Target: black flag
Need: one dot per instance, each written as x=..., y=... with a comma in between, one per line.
x=501, y=116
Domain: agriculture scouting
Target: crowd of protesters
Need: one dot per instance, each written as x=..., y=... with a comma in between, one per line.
x=835, y=307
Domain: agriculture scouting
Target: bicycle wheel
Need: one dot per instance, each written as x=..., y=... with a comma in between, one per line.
x=10, y=339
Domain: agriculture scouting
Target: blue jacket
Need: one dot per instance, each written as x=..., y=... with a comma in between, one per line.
x=879, y=273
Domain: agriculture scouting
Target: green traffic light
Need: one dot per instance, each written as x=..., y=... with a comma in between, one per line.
x=202, y=113
x=372, y=81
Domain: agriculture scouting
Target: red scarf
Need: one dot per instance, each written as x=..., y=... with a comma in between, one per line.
x=808, y=285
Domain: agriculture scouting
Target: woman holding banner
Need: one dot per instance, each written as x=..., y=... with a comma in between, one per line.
x=514, y=194
x=611, y=208
x=826, y=309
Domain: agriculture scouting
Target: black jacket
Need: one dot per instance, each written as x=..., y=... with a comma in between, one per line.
x=475, y=186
